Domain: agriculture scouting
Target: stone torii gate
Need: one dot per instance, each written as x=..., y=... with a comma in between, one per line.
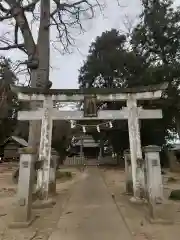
x=47, y=114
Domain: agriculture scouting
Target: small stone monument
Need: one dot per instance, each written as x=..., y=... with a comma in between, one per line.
x=160, y=210
x=128, y=172
x=153, y=174
x=22, y=211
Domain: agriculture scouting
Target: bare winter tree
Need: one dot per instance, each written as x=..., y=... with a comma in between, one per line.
x=63, y=15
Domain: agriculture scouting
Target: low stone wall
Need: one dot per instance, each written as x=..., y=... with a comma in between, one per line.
x=107, y=160
x=74, y=161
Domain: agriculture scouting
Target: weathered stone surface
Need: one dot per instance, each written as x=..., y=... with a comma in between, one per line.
x=128, y=172
x=45, y=149
x=152, y=148
x=79, y=115
x=22, y=211
x=162, y=213
x=104, y=91
x=154, y=182
x=135, y=148
x=21, y=224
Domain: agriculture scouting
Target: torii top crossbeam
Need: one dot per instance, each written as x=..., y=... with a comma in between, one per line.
x=102, y=94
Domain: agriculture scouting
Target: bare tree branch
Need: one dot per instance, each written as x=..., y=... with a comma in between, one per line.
x=2, y=18
x=3, y=9
x=63, y=6
x=12, y=47
x=65, y=17
x=6, y=13
x=17, y=11
x=68, y=16
x=31, y=6
x=128, y=24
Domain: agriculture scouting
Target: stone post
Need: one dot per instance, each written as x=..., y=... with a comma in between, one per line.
x=153, y=174
x=128, y=172
x=153, y=182
x=22, y=213
x=160, y=210
x=52, y=178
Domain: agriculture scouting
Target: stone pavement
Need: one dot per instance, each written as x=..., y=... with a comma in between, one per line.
x=91, y=213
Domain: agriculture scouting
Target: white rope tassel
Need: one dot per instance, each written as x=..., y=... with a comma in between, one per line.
x=98, y=129
x=84, y=129
x=72, y=124
x=110, y=124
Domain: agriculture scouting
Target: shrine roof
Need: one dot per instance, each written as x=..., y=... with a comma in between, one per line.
x=88, y=91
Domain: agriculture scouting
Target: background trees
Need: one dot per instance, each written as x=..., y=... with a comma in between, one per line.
x=110, y=63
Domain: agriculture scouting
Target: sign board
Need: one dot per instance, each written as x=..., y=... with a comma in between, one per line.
x=90, y=106
x=25, y=164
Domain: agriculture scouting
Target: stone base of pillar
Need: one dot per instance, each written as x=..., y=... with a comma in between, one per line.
x=161, y=213
x=41, y=204
x=137, y=200
x=25, y=224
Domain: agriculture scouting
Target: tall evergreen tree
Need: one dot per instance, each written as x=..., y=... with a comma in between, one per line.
x=110, y=63
x=8, y=101
x=157, y=39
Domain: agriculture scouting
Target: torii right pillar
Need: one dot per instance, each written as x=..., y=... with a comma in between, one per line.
x=135, y=149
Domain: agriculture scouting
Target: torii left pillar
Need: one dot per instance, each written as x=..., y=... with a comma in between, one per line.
x=135, y=148
x=45, y=149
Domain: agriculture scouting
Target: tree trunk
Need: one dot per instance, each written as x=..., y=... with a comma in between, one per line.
x=40, y=76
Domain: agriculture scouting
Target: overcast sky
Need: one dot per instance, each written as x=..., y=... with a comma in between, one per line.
x=64, y=69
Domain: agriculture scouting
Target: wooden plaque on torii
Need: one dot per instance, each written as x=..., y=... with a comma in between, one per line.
x=90, y=106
